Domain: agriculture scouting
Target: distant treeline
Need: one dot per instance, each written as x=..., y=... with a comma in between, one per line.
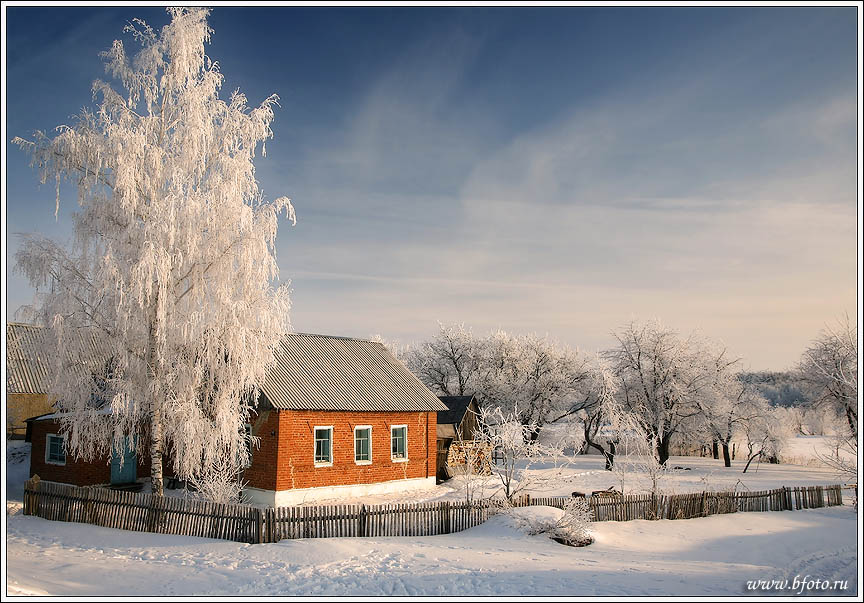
x=781, y=388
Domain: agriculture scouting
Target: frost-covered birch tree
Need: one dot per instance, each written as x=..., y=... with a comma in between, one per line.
x=164, y=307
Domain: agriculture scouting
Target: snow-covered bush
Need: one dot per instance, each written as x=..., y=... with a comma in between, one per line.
x=573, y=527
x=518, y=455
x=218, y=482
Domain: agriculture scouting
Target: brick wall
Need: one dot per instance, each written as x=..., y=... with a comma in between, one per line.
x=262, y=472
x=284, y=458
x=75, y=471
x=293, y=453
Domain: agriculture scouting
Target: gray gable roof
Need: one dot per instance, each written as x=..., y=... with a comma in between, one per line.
x=323, y=372
x=457, y=406
x=312, y=372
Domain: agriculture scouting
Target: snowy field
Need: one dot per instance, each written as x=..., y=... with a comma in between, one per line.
x=716, y=555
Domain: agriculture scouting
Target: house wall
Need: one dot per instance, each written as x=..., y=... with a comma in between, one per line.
x=285, y=462
x=76, y=472
x=262, y=473
x=24, y=406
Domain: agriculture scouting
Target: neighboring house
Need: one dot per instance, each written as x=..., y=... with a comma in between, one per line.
x=337, y=417
x=456, y=424
x=26, y=378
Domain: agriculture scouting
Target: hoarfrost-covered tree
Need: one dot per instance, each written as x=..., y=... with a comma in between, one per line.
x=546, y=380
x=830, y=367
x=765, y=434
x=163, y=308
x=726, y=411
x=522, y=463
x=449, y=363
x=661, y=375
x=538, y=378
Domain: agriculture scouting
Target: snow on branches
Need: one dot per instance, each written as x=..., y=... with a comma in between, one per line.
x=164, y=307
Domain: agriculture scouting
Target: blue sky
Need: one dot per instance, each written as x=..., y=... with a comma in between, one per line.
x=553, y=170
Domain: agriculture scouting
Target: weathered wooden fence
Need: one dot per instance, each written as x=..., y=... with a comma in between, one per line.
x=702, y=504
x=244, y=523
x=143, y=512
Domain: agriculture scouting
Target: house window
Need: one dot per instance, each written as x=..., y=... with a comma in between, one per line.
x=398, y=442
x=55, y=449
x=323, y=446
x=363, y=444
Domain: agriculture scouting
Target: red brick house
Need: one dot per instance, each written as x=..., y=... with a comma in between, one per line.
x=337, y=417
x=340, y=417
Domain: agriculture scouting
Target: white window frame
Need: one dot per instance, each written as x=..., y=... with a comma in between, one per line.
x=48, y=459
x=366, y=462
x=397, y=459
x=315, y=442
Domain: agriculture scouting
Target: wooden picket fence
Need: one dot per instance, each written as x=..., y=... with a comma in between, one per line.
x=702, y=504
x=143, y=512
x=244, y=523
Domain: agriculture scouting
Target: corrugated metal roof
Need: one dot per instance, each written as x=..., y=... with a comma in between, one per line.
x=25, y=367
x=312, y=372
x=322, y=372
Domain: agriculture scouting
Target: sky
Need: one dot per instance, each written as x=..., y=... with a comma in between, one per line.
x=558, y=171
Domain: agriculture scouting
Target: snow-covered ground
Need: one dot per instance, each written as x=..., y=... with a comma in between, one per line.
x=716, y=555
x=710, y=556
x=585, y=473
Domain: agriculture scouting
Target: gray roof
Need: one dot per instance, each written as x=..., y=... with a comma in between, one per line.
x=323, y=372
x=312, y=372
x=457, y=406
x=25, y=367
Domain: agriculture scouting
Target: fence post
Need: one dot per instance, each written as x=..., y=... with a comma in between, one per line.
x=704, y=504
x=259, y=521
x=361, y=521
x=33, y=486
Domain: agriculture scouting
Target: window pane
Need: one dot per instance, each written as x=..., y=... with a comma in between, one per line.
x=398, y=442
x=322, y=446
x=56, y=452
x=362, y=444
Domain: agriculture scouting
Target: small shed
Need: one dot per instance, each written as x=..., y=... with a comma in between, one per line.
x=456, y=424
x=460, y=420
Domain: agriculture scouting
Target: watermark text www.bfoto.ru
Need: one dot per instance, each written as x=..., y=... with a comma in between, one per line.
x=798, y=585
